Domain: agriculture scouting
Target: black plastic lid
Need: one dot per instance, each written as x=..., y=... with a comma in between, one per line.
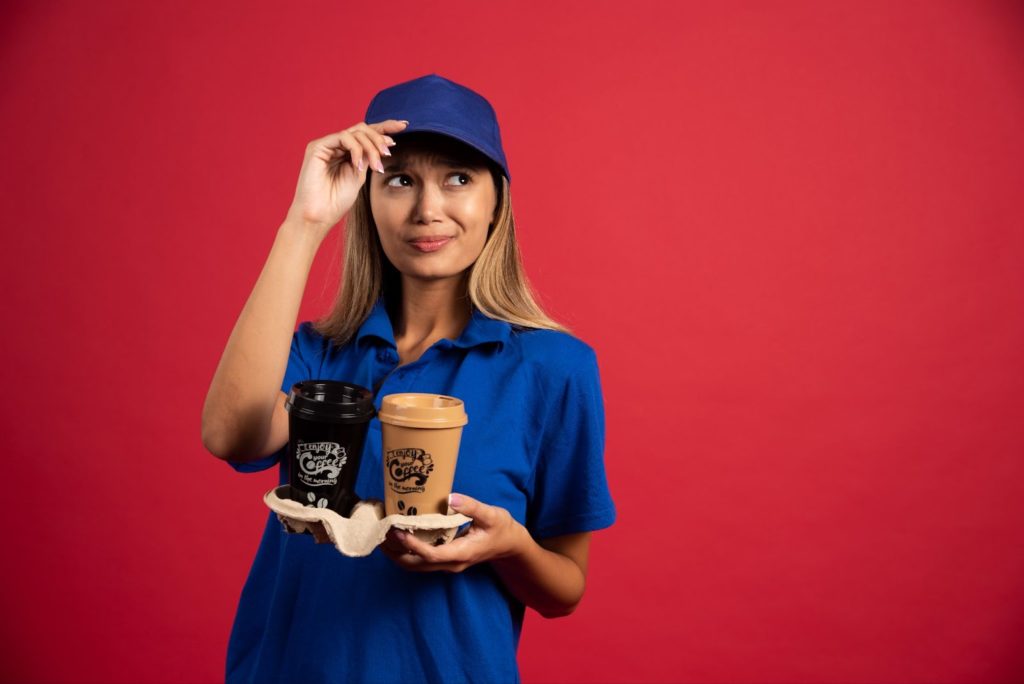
x=330, y=401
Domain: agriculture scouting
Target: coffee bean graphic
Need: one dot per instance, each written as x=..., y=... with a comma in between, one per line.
x=313, y=502
x=401, y=505
x=412, y=510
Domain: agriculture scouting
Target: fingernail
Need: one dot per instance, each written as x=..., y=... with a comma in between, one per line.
x=380, y=167
x=403, y=121
x=399, y=535
x=385, y=151
x=360, y=164
x=454, y=500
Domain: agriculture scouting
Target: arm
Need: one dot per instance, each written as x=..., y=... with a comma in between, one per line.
x=242, y=414
x=549, y=576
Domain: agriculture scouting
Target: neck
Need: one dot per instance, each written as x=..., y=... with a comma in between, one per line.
x=432, y=309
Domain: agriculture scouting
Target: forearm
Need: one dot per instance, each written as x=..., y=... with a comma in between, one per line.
x=247, y=383
x=548, y=582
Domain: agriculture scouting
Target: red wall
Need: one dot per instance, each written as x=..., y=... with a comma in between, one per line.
x=793, y=231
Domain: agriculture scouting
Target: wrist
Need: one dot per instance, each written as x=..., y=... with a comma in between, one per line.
x=520, y=544
x=301, y=234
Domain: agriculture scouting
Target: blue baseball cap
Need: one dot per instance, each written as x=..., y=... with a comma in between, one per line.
x=434, y=104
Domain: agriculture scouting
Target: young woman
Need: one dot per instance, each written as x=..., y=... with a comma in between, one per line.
x=433, y=299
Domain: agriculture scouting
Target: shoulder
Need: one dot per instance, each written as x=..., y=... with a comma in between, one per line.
x=307, y=337
x=309, y=344
x=555, y=354
x=307, y=332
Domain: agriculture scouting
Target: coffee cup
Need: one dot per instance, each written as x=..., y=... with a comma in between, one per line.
x=327, y=425
x=421, y=435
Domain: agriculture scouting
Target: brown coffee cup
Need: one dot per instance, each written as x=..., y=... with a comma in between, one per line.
x=420, y=435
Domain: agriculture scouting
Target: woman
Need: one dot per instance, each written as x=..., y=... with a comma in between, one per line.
x=433, y=299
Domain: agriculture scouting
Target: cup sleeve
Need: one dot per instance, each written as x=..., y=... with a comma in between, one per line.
x=298, y=369
x=571, y=491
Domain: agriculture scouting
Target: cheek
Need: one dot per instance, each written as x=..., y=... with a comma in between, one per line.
x=477, y=213
x=386, y=216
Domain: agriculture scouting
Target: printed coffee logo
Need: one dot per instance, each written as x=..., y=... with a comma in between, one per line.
x=320, y=462
x=409, y=469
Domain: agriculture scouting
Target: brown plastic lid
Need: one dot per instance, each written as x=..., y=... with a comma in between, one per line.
x=419, y=410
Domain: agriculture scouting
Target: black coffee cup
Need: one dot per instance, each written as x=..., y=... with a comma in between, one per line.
x=327, y=424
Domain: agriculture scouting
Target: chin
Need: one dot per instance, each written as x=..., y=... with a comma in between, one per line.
x=431, y=273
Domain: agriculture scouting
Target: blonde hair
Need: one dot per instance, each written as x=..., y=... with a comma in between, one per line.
x=497, y=286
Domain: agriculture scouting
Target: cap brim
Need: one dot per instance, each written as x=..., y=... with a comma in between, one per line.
x=448, y=131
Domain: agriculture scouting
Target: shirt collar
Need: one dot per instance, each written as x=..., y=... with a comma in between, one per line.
x=481, y=329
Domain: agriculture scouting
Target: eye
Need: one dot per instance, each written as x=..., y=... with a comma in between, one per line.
x=461, y=174
x=462, y=178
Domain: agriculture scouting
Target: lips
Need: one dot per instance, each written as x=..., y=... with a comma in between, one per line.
x=430, y=238
x=430, y=243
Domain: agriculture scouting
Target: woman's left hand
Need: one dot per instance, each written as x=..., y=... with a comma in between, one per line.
x=493, y=534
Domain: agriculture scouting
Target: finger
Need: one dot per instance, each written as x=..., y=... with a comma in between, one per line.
x=408, y=562
x=389, y=126
x=446, y=553
x=320, y=533
x=395, y=555
x=417, y=564
x=381, y=142
x=392, y=549
x=408, y=542
x=370, y=149
x=345, y=145
x=405, y=559
x=413, y=562
x=392, y=545
x=480, y=512
x=333, y=144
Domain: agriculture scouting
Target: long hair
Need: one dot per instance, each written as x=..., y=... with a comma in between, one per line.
x=497, y=284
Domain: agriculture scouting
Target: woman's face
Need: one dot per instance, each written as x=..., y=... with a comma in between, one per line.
x=433, y=206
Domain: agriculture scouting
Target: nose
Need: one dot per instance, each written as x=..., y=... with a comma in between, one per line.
x=429, y=204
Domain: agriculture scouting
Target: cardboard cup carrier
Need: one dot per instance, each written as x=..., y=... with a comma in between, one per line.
x=328, y=422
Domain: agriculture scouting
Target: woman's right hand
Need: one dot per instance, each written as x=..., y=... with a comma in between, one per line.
x=334, y=169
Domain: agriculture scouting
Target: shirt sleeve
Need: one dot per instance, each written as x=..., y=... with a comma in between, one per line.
x=298, y=369
x=571, y=489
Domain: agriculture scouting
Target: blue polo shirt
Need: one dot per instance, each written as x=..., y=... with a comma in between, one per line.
x=534, y=445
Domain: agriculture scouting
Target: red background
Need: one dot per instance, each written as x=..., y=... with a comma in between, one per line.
x=793, y=231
